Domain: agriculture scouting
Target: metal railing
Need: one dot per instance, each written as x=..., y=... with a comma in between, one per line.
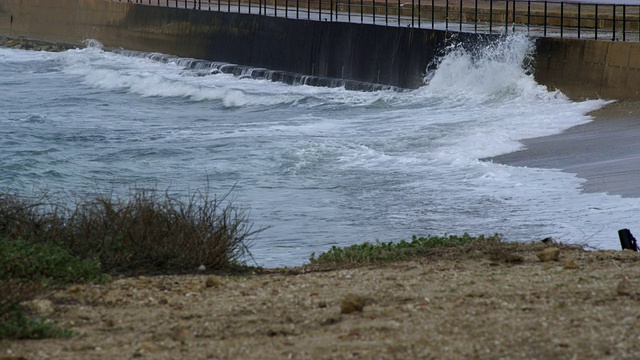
x=617, y=20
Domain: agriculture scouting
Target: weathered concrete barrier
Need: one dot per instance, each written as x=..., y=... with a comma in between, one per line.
x=589, y=68
x=359, y=52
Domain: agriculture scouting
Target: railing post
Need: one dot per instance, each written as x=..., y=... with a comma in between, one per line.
x=490, y=16
x=595, y=27
x=514, y=17
x=432, y=14
x=624, y=22
x=561, y=19
x=308, y=9
x=506, y=17
x=446, y=16
x=528, y=17
x=475, y=17
x=349, y=10
x=579, y=18
x=545, y=19
x=413, y=9
x=398, y=12
x=286, y=8
x=460, y=16
x=331, y=10
x=361, y=11
x=297, y=9
x=275, y=8
x=613, y=31
x=319, y=10
x=419, y=15
x=386, y=12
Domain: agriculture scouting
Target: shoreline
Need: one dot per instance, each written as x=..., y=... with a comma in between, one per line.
x=605, y=151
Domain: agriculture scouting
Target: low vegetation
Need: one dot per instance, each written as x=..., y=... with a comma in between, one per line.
x=147, y=232
x=45, y=244
x=367, y=252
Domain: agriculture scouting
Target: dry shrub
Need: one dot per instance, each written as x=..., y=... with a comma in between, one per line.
x=145, y=232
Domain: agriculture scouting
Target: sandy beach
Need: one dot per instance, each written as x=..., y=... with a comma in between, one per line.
x=605, y=151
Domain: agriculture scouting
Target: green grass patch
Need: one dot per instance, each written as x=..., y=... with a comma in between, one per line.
x=16, y=325
x=49, y=264
x=389, y=251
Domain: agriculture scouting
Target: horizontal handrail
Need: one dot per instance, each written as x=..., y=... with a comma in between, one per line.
x=616, y=20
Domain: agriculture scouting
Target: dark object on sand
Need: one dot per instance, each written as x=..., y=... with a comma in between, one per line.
x=627, y=240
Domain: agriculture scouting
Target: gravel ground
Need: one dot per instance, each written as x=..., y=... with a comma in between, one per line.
x=504, y=305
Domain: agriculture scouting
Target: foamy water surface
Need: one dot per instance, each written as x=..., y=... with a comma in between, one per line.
x=319, y=166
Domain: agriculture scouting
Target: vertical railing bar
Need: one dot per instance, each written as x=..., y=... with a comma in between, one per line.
x=433, y=9
x=228, y=6
x=361, y=11
x=545, y=19
x=297, y=9
x=446, y=16
x=579, y=18
x=528, y=17
x=613, y=27
x=475, y=17
x=413, y=9
x=308, y=9
x=319, y=10
x=513, y=18
x=349, y=10
x=596, y=24
x=624, y=22
x=419, y=13
x=374, y=12
x=506, y=17
x=386, y=12
x=398, y=12
x=490, y=16
x=460, y=19
x=561, y=19
x=331, y=10
x=239, y=6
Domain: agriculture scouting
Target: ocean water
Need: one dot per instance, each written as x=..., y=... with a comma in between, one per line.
x=318, y=166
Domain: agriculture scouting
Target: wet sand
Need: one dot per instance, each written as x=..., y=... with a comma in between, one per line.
x=605, y=151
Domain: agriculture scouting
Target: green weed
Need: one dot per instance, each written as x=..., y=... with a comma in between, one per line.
x=403, y=250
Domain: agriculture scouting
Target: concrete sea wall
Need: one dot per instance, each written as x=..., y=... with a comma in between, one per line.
x=385, y=55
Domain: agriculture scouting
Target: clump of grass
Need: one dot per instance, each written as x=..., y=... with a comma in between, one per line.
x=26, y=270
x=14, y=324
x=46, y=263
x=146, y=232
x=389, y=251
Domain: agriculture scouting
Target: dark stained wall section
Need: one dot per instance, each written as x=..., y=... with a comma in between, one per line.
x=367, y=53
x=386, y=55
